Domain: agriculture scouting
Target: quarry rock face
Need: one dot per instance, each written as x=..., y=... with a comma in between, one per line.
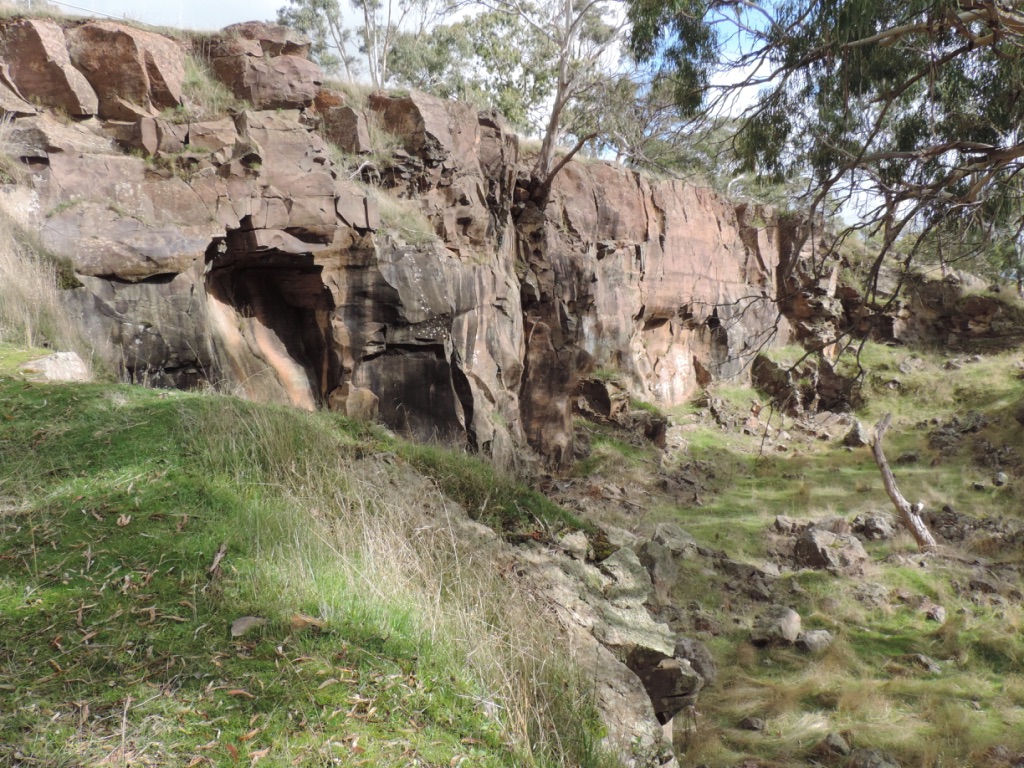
x=658, y=280
x=231, y=251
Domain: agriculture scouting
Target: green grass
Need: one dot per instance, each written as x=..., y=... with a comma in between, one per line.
x=866, y=684
x=487, y=494
x=114, y=630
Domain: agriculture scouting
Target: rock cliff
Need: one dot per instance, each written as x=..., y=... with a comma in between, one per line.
x=235, y=250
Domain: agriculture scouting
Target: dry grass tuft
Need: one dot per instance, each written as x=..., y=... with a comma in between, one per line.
x=32, y=311
x=372, y=543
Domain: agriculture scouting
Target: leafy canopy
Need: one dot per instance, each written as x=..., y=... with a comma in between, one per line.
x=910, y=111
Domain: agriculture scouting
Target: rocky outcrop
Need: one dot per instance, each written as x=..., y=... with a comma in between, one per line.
x=134, y=73
x=37, y=64
x=958, y=311
x=656, y=280
x=231, y=251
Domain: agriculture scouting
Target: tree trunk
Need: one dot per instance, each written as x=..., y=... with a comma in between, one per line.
x=909, y=515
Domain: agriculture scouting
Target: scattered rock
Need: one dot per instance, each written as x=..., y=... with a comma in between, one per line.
x=357, y=403
x=675, y=539
x=857, y=437
x=934, y=612
x=784, y=524
x=836, y=744
x=671, y=683
x=60, y=366
x=927, y=663
x=984, y=586
x=752, y=724
x=871, y=593
x=1000, y=479
x=831, y=551
x=243, y=624
x=700, y=658
x=776, y=625
x=576, y=545
x=658, y=560
x=815, y=640
x=909, y=457
x=873, y=527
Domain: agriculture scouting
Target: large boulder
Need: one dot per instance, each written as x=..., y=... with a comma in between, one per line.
x=777, y=625
x=134, y=73
x=274, y=39
x=60, y=366
x=265, y=80
x=40, y=68
x=342, y=124
x=838, y=552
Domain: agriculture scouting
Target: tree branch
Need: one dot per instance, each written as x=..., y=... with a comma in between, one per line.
x=909, y=515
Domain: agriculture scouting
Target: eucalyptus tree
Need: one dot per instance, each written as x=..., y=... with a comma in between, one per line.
x=911, y=111
x=339, y=46
x=491, y=59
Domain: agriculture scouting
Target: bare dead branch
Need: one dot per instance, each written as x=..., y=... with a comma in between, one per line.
x=909, y=515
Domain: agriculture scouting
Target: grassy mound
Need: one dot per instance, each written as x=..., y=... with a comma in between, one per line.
x=137, y=526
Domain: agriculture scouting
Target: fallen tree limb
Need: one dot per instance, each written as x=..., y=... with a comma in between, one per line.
x=909, y=515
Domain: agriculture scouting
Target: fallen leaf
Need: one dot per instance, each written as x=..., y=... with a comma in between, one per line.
x=255, y=756
x=214, y=569
x=250, y=735
x=327, y=682
x=123, y=520
x=243, y=624
x=240, y=692
x=231, y=751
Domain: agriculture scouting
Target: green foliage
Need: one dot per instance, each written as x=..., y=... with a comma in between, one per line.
x=868, y=100
x=380, y=24
x=486, y=493
x=675, y=35
x=493, y=59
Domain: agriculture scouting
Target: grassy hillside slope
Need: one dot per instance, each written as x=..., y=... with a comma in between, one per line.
x=136, y=526
x=957, y=424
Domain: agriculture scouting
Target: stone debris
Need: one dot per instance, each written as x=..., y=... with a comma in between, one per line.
x=58, y=367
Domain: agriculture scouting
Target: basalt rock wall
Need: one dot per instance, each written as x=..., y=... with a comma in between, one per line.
x=423, y=288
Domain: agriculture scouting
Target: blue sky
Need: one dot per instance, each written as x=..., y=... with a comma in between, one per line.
x=187, y=14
